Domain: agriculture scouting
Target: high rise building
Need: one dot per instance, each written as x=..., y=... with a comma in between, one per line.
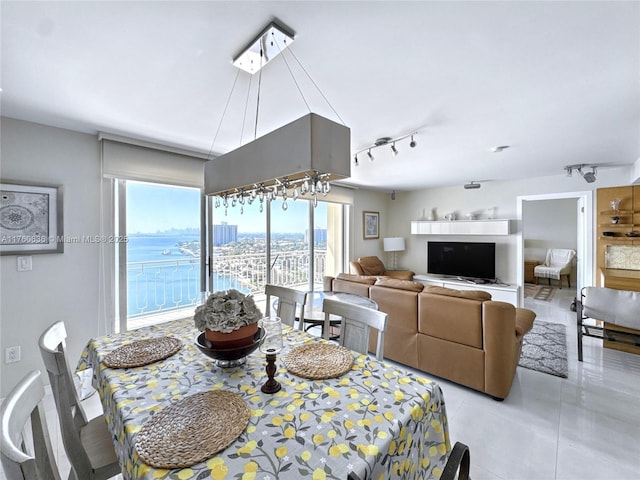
x=224, y=233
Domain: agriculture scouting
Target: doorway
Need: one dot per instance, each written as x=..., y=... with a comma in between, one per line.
x=584, y=235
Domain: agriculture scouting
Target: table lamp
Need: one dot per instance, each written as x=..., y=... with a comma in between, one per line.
x=393, y=245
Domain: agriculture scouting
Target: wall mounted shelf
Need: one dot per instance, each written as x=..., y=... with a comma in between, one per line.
x=460, y=227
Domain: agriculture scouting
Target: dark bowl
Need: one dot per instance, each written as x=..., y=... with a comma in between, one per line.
x=227, y=354
x=608, y=234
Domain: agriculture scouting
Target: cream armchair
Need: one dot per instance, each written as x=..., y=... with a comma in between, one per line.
x=558, y=263
x=374, y=266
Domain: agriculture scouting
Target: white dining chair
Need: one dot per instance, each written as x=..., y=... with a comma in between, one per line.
x=88, y=443
x=288, y=301
x=24, y=403
x=355, y=324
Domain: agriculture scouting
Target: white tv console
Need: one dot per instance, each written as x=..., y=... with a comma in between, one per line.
x=499, y=291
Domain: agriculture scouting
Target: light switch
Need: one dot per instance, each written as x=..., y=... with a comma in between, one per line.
x=24, y=264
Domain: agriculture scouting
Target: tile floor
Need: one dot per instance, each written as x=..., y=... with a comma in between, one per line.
x=584, y=427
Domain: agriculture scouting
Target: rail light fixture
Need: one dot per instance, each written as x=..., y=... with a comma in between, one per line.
x=589, y=177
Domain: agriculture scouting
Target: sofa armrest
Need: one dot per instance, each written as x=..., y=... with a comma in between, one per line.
x=501, y=346
x=524, y=321
x=327, y=283
x=400, y=274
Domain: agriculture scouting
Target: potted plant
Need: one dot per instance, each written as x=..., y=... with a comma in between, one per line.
x=228, y=316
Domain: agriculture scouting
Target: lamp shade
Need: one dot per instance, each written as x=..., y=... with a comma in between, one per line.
x=393, y=244
x=310, y=143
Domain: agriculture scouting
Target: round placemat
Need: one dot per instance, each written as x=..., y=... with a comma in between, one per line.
x=317, y=361
x=142, y=352
x=193, y=429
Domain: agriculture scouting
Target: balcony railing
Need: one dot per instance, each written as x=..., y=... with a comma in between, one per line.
x=164, y=285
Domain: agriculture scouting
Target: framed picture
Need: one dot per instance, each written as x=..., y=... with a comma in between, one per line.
x=370, y=225
x=30, y=218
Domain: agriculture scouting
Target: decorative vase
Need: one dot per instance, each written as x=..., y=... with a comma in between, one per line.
x=241, y=337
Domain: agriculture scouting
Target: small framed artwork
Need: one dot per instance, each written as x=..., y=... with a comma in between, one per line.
x=370, y=225
x=30, y=218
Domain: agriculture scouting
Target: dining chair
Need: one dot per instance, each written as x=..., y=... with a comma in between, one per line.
x=288, y=301
x=24, y=403
x=88, y=443
x=355, y=324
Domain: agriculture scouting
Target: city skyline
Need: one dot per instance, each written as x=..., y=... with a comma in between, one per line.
x=153, y=209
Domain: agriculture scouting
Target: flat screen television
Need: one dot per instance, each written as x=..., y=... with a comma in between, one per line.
x=475, y=260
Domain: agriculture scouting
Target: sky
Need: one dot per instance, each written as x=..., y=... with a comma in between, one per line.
x=155, y=208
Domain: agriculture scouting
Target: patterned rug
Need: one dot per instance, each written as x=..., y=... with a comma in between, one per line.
x=539, y=292
x=544, y=349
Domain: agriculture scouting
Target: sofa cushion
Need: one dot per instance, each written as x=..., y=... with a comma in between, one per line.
x=479, y=295
x=367, y=280
x=451, y=318
x=399, y=284
x=371, y=265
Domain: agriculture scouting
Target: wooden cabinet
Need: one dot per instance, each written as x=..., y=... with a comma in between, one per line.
x=529, y=265
x=614, y=226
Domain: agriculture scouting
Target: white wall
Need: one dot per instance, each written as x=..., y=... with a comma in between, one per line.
x=549, y=224
x=497, y=197
x=61, y=286
x=370, y=201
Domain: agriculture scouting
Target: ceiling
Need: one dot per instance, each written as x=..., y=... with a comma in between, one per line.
x=559, y=82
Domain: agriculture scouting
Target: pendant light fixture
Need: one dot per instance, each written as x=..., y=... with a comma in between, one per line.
x=297, y=159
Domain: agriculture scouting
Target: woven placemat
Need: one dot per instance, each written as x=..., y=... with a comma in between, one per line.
x=193, y=429
x=142, y=352
x=317, y=361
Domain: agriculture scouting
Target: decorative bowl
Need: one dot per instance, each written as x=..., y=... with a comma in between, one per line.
x=608, y=234
x=632, y=233
x=228, y=357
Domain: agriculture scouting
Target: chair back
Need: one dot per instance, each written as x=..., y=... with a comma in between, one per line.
x=25, y=402
x=620, y=307
x=288, y=301
x=355, y=325
x=70, y=412
x=559, y=257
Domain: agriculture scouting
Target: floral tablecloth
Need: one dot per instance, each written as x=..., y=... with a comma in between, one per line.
x=377, y=421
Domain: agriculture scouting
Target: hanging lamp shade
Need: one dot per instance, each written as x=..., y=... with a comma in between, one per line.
x=309, y=146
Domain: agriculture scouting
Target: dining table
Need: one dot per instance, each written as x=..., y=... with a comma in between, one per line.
x=377, y=420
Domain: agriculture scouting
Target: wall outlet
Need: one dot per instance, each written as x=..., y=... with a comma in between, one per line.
x=24, y=264
x=12, y=354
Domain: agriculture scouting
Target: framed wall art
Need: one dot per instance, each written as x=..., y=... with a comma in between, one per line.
x=30, y=218
x=370, y=225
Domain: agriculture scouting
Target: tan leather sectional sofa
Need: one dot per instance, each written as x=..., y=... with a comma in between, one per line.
x=462, y=336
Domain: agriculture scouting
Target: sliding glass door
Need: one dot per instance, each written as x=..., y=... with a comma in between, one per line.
x=295, y=247
x=159, y=269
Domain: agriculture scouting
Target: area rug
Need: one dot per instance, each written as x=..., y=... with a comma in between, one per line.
x=544, y=349
x=539, y=292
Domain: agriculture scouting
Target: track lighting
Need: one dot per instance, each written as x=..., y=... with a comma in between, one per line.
x=355, y=160
x=472, y=185
x=382, y=141
x=589, y=177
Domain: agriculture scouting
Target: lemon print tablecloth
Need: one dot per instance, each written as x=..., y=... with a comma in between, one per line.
x=377, y=421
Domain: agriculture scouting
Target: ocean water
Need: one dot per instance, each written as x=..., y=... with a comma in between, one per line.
x=161, y=276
